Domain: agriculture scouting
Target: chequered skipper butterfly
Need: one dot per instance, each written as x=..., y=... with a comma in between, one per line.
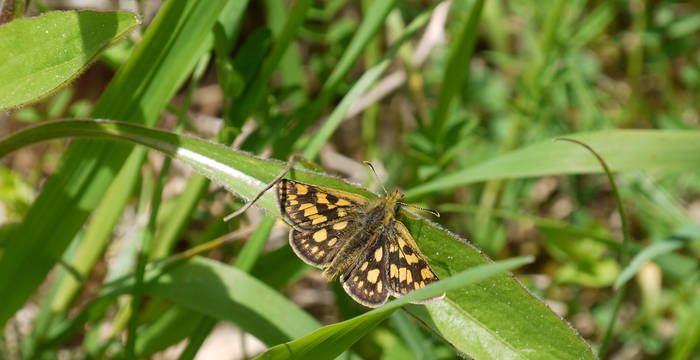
x=349, y=234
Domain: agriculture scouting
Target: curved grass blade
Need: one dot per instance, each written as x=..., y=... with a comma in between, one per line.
x=214, y=161
x=623, y=150
x=626, y=239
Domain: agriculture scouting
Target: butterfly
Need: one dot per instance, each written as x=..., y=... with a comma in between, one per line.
x=357, y=239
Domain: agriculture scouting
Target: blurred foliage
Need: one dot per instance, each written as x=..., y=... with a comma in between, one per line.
x=533, y=70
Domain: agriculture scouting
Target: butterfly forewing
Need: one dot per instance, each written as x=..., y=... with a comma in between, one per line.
x=408, y=269
x=366, y=282
x=308, y=207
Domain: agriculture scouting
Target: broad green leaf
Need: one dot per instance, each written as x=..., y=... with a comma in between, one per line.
x=41, y=54
x=329, y=341
x=498, y=307
x=623, y=150
x=494, y=317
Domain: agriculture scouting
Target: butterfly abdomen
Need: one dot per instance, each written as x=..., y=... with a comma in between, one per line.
x=364, y=234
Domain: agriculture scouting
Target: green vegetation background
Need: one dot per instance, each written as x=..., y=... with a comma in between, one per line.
x=345, y=81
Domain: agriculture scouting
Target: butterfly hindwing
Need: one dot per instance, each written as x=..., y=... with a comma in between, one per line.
x=366, y=282
x=407, y=268
x=307, y=207
x=318, y=247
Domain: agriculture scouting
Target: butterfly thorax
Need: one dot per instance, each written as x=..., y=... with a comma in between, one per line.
x=392, y=204
x=376, y=218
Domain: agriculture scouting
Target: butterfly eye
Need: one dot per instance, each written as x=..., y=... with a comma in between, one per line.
x=398, y=207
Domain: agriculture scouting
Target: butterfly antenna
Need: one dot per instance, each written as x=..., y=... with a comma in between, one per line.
x=430, y=211
x=376, y=176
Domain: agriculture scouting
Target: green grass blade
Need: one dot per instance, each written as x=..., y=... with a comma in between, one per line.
x=244, y=262
x=291, y=65
x=172, y=326
x=91, y=246
x=649, y=253
x=105, y=218
x=196, y=339
x=255, y=92
x=42, y=54
x=254, y=246
x=360, y=87
x=687, y=341
x=623, y=150
x=329, y=341
x=237, y=171
x=139, y=92
x=370, y=26
x=411, y=335
x=225, y=293
x=496, y=305
x=457, y=70
x=179, y=217
x=376, y=17
x=670, y=262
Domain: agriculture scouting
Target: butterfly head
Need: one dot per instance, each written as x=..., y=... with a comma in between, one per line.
x=394, y=200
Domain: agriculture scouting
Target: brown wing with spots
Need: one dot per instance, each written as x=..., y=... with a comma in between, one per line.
x=366, y=282
x=407, y=268
x=319, y=247
x=307, y=207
